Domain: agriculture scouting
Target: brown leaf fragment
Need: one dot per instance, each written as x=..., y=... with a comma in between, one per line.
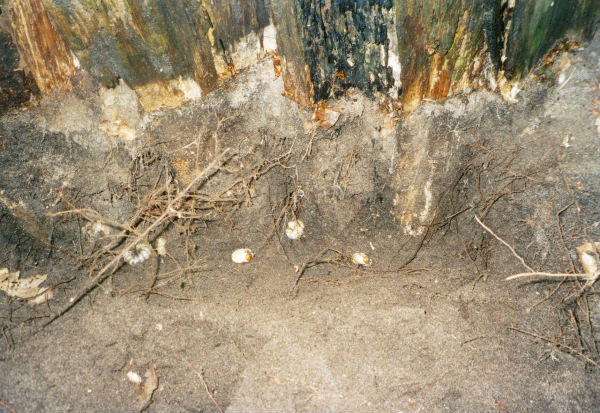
x=24, y=288
x=149, y=385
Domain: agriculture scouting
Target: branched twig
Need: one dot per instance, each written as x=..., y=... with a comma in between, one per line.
x=319, y=259
x=210, y=170
x=201, y=377
x=559, y=345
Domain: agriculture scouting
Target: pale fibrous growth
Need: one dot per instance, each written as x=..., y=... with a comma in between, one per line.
x=360, y=258
x=242, y=255
x=140, y=253
x=294, y=229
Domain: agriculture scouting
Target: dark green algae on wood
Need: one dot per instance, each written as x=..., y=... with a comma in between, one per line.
x=537, y=25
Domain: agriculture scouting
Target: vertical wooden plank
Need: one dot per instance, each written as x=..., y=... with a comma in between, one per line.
x=139, y=41
x=294, y=66
x=346, y=45
x=236, y=29
x=329, y=46
x=40, y=46
x=443, y=45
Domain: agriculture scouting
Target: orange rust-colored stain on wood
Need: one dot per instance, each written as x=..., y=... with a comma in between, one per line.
x=415, y=76
x=296, y=82
x=440, y=78
x=438, y=58
x=441, y=88
x=41, y=47
x=340, y=75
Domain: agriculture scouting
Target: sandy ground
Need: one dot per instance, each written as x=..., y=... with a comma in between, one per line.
x=445, y=333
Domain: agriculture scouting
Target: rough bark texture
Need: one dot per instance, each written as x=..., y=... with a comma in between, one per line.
x=346, y=44
x=294, y=66
x=537, y=25
x=140, y=42
x=443, y=45
x=41, y=47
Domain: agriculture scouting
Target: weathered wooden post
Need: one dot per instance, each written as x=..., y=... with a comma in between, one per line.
x=408, y=50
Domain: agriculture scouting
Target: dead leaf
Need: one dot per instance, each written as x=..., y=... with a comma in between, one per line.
x=25, y=288
x=148, y=387
x=325, y=117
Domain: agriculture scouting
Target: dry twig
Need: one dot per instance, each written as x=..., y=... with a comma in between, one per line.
x=553, y=275
x=201, y=377
x=169, y=211
x=318, y=260
x=505, y=243
x=558, y=345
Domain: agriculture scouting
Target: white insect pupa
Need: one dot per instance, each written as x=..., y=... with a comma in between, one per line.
x=242, y=255
x=161, y=246
x=360, y=258
x=294, y=229
x=141, y=253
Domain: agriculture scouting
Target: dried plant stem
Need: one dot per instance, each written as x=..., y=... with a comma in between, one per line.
x=506, y=244
x=169, y=211
x=551, y=275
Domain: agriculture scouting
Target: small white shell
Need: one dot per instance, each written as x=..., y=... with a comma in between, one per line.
x=360, y=258
x=294, y=229
x=242, y=255
x=142, y=252
x=161, y=246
